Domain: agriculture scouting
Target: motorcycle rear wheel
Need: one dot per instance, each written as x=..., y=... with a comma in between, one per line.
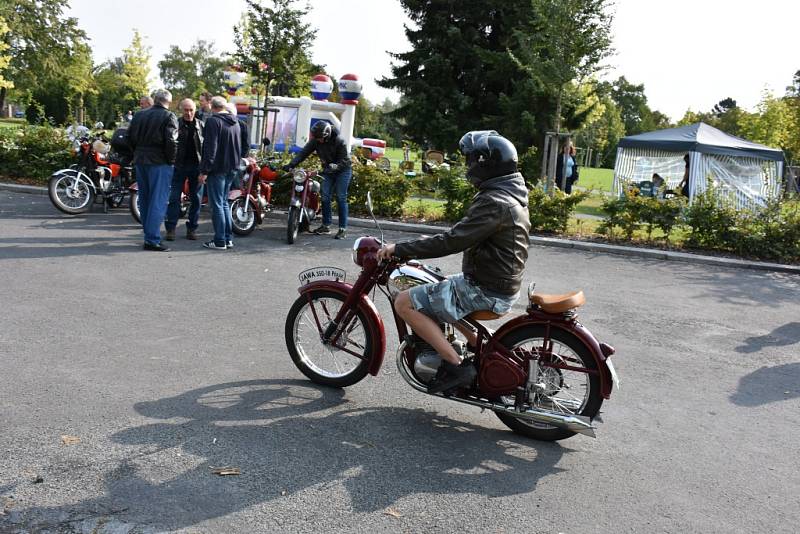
x=567, y=391
x=323, y=364
x=69, y=193
x=293, y=228
x=135, y=213
x=244, y=222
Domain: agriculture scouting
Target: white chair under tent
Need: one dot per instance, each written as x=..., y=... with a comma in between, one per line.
x=747, y=173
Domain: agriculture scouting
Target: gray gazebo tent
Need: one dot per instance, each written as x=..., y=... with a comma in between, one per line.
x=747, y=172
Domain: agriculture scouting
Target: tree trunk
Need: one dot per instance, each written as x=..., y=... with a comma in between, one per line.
x=2, y=98
x=551, y=172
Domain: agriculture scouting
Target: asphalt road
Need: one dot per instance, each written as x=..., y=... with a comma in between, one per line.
x=166, y=365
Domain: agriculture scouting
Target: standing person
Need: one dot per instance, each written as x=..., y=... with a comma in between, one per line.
x=245, y=133
x=566, y=168
x=187, y=167
x=494, y=238
x=145, y=102
x=153, y=136
x=204, y=113
x=337, y=172
x=684, y=185
x=222, y=151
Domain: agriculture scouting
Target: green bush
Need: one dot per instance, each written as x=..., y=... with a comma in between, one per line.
x=713, y=221
x=632, y=211
x=390, y=190
x=551, y=213
x=458, y=193
x=530, y=166
x=33, y=151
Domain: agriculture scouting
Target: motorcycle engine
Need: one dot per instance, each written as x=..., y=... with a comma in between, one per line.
x=427, y=363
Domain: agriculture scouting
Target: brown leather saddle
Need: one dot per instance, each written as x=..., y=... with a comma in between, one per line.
x=548, y=303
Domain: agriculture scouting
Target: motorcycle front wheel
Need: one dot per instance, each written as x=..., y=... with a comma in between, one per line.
x=567, y=391
x=70, y=193
x=243, y=219
x=293, y=228
x=135, y=213
x=339, y=366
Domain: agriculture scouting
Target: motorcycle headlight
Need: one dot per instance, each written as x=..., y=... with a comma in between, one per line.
x=299, y=176
x=365, y=247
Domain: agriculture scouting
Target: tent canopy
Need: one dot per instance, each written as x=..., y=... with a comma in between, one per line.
x=700, y=137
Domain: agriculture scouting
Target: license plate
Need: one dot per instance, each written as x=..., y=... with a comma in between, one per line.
x=322, y=273
x=614, y=377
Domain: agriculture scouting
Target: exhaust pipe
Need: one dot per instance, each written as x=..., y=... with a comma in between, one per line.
x=574, y=423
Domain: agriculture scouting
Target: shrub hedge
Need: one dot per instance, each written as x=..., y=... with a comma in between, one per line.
x=33, y=151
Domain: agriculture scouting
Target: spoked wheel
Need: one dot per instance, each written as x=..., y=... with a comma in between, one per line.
x=70, y=193
x=293, y=228
x=341, y=365
x=243, y=217
x=568, y=391
x=135, y=212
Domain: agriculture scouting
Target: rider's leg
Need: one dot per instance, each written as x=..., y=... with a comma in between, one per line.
x=470, y=334
x=425, y=327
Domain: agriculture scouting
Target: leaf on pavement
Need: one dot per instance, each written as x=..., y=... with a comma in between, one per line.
x=227, y=470
x=392, y=512
x=70, y=440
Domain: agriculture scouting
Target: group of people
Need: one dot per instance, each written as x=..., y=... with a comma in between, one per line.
x=204, y=148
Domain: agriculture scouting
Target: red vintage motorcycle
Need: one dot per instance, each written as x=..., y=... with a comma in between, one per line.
x=304, y=206
x=251, y=203
x=543, y=373
x=99, y=174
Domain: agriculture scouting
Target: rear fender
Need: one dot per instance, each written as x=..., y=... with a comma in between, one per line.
x=576, y=329
x=367, y=307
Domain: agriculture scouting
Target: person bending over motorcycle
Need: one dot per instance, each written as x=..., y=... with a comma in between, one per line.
x=337, y=172
x=494, y=238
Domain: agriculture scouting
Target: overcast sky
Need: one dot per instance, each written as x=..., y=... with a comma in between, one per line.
x=689, y=53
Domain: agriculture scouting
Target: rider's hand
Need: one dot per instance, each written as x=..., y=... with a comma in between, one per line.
x=202, y=179
x=333, y=167
x=386, y=251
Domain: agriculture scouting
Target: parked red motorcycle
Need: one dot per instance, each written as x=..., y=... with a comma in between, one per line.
x=543, y=373
x=251, y=203
x=99, y=174
x=304, y=206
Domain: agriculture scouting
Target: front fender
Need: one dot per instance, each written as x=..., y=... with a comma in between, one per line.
x=367, y=307
x=572, y=327
x=78, y=174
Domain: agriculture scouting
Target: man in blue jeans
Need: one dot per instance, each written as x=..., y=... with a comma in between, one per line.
x=187, y=167
x=337, y=173
x=153, y=135
x=222, y=152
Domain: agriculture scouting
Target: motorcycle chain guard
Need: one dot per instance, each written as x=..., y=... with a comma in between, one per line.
x=499, y=375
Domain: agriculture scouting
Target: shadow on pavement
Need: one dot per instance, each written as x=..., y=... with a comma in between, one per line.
x=289, y=437
x=785, y=335
x=768, y=384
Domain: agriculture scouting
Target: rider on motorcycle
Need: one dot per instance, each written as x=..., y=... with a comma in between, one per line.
x=494, y=238
x=337, y=171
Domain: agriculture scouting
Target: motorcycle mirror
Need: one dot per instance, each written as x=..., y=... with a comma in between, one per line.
x=369, y=208
x=98, y=125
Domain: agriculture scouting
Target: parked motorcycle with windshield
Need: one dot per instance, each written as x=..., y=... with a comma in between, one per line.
x=100, y=174
x=542, y=373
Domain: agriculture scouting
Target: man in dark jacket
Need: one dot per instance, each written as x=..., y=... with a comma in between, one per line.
x=187, y=167
x=337, y=173
x=222, y=152
x=153, y=135
x=494, y=238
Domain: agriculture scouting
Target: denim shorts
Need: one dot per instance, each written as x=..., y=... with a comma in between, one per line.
x=452, y=299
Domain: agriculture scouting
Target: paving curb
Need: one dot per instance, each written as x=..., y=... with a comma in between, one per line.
x=655, y=254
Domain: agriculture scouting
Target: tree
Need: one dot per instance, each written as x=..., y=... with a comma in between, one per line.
x=5, y=58
x=135, y=69
x=603, y=127
x=42, y=44
x=458, y=75
x=632, y=103
x=273, y=45
x=563, y=41
x=189, y=73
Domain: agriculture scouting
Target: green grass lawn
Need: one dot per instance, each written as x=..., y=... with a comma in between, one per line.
x=11, y=123
x=597, y=179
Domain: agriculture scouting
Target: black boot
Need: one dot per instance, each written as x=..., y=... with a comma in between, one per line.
x=453, y=376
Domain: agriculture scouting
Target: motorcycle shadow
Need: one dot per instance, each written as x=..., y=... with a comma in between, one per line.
x=290, y=438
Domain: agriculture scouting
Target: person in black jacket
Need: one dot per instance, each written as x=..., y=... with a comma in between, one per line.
x=566, y=168
x=153, y=135
x=494, y=238
x=187, y=167
x=337, y=173
x=222, y=152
